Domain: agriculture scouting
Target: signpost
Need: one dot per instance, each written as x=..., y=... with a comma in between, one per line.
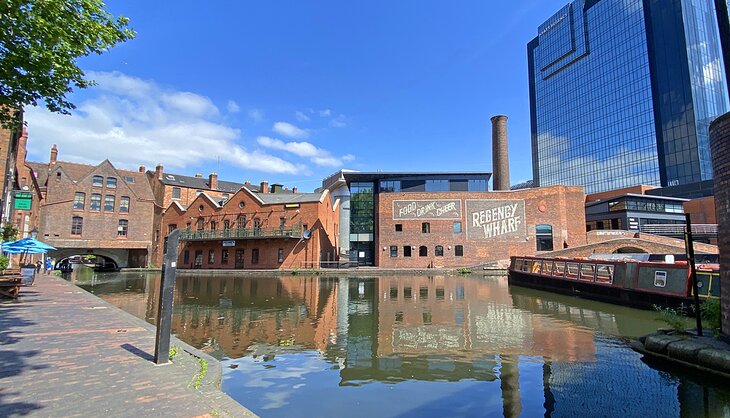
x=693, y=272
x=23, y=201
x=164, y=310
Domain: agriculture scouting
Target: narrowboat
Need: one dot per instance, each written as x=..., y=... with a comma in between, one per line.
x=640, y=284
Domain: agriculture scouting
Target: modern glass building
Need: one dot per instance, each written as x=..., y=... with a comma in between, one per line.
x=622, y=92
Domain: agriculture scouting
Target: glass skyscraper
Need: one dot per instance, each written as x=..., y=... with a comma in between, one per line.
x=622, y=92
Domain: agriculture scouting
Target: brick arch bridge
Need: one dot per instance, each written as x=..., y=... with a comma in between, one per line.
x=631, y=243
x=119, y=257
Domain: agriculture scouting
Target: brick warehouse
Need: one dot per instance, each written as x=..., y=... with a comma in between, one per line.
x=268, y=229
x=467, y=228
x=720, y=151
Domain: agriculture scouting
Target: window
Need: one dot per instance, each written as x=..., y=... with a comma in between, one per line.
x=211, y=256
x=457, y=227
x=477, y=186
x=394, y=251
x=255, y=256
x=213, y=225
x=426, y=227
x=77, y=225
x=282, y=223
x=109, y=203
x=79, y=198
x=544, y=237
x=171, y=228
x=224, y=197
x=459, y=250
x=422, y=251
x=124, y=204
x=226, y=225
x=437, y=185
x=122, y=228
x=389, y=186
x=439, y=251
x=407, y=251
x=281, y=255
x=129, y=179
x=398, y=227
x=200, y=225
x=241, y=222
x=111, y=182
x=176, y=193
x=224, y=257
x=97, y=181
x=95, y=202
x=186, y=256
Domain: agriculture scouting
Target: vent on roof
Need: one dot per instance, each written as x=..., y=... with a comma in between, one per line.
x=169, y=177
x=129, y=179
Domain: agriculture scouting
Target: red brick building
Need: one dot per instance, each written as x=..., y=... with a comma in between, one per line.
x=267, y=229
x=98, y=210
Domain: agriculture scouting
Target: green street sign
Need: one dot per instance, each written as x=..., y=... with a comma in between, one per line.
x=23, y=201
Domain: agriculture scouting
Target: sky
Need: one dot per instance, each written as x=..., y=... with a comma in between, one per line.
x=293, y=91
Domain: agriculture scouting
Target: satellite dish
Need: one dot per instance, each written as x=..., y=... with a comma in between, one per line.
x=307, y=234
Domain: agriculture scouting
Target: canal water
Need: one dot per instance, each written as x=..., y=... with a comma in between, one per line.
x=416, y=346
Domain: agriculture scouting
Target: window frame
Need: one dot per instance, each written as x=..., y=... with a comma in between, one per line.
x=83, y=201
x=97, y=181
x=122, y=207
x=113, y=201
x=95, y=198
x=123, y=228
x=111, y=182
x=77, y=223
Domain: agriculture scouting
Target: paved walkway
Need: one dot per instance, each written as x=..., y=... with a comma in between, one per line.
x=66, y=353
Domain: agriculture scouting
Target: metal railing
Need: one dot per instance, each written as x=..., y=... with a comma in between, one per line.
x=241, y=233
x=678, y=229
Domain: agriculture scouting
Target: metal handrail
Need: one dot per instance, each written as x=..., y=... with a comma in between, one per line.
x=241, y=233
x=678, y=229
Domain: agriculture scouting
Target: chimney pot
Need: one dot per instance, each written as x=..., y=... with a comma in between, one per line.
x=142, y=169
x=264, y=187
x=294, y=189
x=213, y=181
x=198, y=176
x=247, y=183
x=158, y=171
x=54, y=154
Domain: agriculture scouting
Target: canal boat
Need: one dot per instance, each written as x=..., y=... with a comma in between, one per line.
x=641, y=284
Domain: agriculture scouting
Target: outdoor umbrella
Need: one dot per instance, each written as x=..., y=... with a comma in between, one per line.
x=26, y=246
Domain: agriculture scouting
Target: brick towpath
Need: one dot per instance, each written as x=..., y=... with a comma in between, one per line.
x=65, y=353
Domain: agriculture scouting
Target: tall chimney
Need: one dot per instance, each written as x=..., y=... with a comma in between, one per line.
x=142, y=169
x=198, y=176
x=158, y=171
x=247, y=182
x=264, y=188
x=213, y=181
x=294, y=189
x=54, y=154
x=500, y=160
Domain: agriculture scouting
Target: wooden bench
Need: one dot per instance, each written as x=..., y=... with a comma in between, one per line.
x=10, y=286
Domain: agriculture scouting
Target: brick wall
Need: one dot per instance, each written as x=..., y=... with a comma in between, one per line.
x=720, y=151
x=561, y=207
x=320, y=218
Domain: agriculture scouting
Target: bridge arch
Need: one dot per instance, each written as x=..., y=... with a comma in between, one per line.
x=630, y=250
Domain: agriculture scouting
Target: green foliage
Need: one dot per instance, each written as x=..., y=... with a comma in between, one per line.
x=40, y=41
x=174, y=350
x=201, y=374
x=464, y=271
x=10, y=233
x=711, y=313
x=676, y=318
x=3, y=262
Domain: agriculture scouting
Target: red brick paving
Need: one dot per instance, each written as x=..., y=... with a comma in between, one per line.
x=66, y=353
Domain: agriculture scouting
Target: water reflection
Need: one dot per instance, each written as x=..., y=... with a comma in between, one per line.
x=415, y=346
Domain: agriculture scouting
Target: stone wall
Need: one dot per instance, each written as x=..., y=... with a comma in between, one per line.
x=720, y=151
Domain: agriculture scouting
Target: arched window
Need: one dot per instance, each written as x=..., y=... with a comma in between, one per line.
x=426, y=227
x=439, y=251
x=97, y=181
x=111, y=182
x=77, y=224
x=422, y=251
x=201, y=224
x=544, y=237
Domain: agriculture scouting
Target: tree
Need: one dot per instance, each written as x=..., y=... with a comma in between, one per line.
x=10, y=233
x=40, y=41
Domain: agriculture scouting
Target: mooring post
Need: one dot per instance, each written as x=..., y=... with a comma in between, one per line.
x=693, y=273
x=164, y=308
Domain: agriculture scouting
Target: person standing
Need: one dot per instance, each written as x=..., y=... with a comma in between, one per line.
x=49, y=265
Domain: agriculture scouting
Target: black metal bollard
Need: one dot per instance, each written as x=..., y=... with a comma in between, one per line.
x=164, y=309
x=692, y=271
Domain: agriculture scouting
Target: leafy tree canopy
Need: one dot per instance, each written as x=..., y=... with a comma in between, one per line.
x=40, y=41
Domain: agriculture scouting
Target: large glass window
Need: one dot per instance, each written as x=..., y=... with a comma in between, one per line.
x=97, y=181
x=437, y=185
x=122, y=228
x=361, y=208
x=477, y=185
x=109, y=203
x=124, y=204
x=390, y=186
x=544, y=237
x=95, y=201
x=77, y=225
x=176, y=193
x=111, y=182
x=79, y=198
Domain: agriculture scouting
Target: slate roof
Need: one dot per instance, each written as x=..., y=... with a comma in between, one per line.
x=284, y=197
x=201, y=183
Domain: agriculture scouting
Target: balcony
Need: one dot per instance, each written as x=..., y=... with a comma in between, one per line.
x=294, y=232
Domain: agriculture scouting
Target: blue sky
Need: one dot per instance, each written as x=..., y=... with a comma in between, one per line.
x=293, y=91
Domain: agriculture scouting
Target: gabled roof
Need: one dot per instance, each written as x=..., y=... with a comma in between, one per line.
x=202, y=183
x=283, y=198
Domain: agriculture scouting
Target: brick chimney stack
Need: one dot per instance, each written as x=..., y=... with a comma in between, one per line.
x=500, y=160
x=142, y=169
x=294, y=189
x=264, y=188
x=158, y=171
x=198, y=176
x=54, y=154
x=213, y=181
x=247, y=182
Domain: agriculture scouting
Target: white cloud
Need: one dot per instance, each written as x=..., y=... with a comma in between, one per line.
x=256, y=115
x=289, y=130
x=303, y=149
x=302, y=117
x=133, y=121
x=339, y=122
x=325, y=113
x=233, y=107
x=348, y=157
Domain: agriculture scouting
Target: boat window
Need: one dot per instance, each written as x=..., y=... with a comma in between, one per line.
x=527, y=267
x=537, y=266
x=547, y=267
x=604, y=273
x=587, y=272
x=571, y=270
x=559, y=269
x=518, y=264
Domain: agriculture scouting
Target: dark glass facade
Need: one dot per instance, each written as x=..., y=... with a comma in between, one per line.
x=622, y=93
